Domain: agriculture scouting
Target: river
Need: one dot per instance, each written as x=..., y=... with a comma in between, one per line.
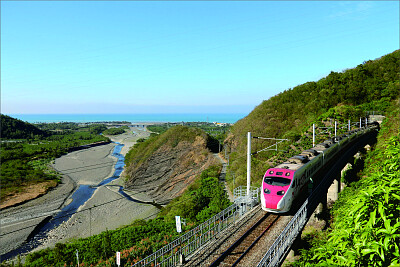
x=82, y=194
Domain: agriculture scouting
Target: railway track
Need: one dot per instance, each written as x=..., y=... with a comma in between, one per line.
x=243, y=246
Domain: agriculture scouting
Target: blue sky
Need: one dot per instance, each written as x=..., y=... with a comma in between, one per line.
x=181, y=56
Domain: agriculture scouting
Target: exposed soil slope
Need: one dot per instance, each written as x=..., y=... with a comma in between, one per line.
x=165, y=165
x=29, y=192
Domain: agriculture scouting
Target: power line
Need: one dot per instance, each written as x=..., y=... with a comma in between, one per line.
x=95, y=206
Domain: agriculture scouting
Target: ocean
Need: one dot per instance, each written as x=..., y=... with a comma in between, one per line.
x=134, y=118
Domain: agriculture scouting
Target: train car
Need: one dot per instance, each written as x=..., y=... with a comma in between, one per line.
x=282, y=184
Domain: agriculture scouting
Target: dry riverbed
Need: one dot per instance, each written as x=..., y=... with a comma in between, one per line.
x=106, y=209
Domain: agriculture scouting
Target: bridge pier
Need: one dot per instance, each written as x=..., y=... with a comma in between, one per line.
x=335, y=188
x=322, y=206
x=291, y=257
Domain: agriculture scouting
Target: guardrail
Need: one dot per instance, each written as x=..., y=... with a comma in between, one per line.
x=279, y=249
x=182, y=247
x=239, y=194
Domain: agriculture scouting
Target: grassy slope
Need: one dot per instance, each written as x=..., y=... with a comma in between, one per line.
x=12, y=128
x=366, y=218
x=288, y=114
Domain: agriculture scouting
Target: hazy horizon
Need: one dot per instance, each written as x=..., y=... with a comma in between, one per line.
x=143, y=117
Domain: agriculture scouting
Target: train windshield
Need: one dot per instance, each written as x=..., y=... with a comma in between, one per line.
x=279, y=181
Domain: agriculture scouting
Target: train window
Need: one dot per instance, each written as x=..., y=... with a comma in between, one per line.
x=271, y=172
x=278, y=181
x=279, y=173
x=287, y=174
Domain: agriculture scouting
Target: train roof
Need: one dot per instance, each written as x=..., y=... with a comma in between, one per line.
x=298, y=161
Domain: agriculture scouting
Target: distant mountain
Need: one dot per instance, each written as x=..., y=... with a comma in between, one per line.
x=12, y=128
x=165, y=165
x=373, y=84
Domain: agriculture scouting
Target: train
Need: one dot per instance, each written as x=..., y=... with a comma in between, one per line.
x=284, y=183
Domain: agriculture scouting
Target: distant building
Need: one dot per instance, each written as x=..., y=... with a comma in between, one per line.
x=220, y=124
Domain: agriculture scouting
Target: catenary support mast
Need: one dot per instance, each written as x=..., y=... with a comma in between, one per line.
x=248, y=162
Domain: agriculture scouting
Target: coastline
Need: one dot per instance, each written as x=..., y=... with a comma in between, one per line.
x=139, y=118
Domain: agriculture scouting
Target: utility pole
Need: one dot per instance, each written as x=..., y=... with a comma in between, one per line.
x=248, y=162
x=77, y=256
x=335, y=129
x=313, y=135
x=90, y=221
x=225, y=152
x=233, y=174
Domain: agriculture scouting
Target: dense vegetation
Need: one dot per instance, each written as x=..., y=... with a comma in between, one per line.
x=370, y=86
x=158, y=128
x=26, y=161
x=115, y=130
x=16, y=129
x=72, y=126
x=205, y=198
x=58, y=126
x=199, y=202
x=366, y=218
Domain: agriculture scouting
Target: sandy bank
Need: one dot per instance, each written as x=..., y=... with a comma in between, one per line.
x=88, y=166
x=106, y=209
x=18, y=222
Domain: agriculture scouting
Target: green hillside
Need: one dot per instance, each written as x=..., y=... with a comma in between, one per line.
x=366, y=218
x=372, y=85
x=12, y=128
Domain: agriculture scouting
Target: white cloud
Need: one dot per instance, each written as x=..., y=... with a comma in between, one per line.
x=354, y=10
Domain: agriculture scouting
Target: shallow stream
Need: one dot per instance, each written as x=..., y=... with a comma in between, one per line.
x=82, y=194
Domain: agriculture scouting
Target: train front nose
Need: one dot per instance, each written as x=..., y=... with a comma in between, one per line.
x=269, y=201
x=274, y=203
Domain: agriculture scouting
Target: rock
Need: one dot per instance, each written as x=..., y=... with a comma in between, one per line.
x=169, y=170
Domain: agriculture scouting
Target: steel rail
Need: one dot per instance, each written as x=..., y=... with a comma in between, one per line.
x=226, y=253
x=256, y=240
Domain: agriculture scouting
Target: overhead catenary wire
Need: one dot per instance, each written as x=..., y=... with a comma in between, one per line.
x=283, y=140
x=96, y=206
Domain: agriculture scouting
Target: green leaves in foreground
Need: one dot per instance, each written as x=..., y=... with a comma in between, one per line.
x=366, y=230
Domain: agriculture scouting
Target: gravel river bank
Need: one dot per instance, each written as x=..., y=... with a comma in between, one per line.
x=106, y=209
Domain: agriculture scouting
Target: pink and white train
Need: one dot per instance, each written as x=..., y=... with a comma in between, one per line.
x=282, y=184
